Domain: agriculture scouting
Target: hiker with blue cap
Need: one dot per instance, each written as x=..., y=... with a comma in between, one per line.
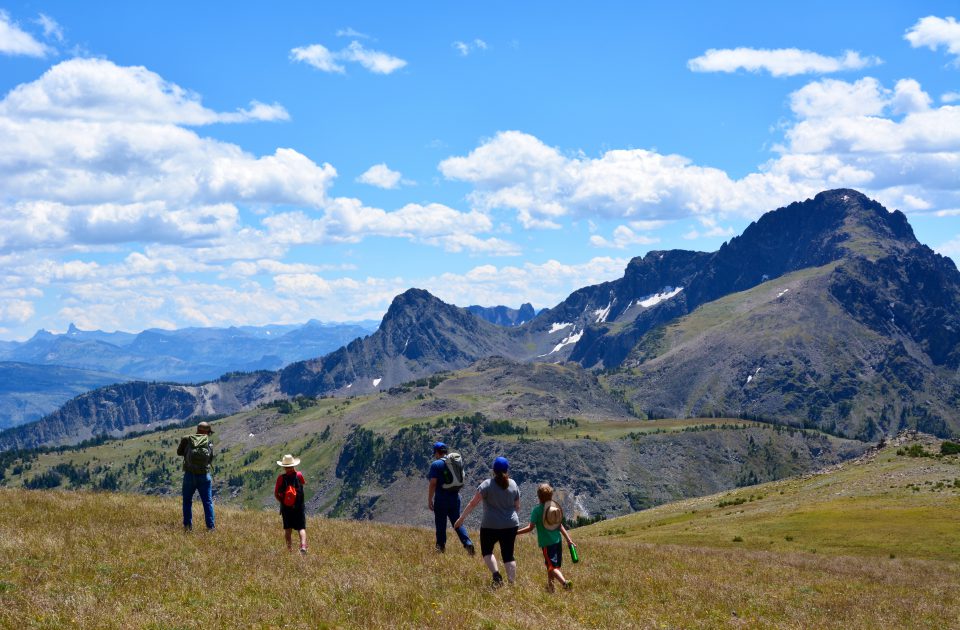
x=443, y=495
x=501, y=502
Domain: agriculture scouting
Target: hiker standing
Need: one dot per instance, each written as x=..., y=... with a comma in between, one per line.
x=197, y=453
x=501, y=501
x=289, y=492
x=443, y=495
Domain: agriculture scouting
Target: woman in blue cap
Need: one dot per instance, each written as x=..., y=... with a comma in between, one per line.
x=501, y=502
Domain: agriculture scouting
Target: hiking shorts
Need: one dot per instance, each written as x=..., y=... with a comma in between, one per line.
x=293, y=518
x=506, y=537
x=553, y=555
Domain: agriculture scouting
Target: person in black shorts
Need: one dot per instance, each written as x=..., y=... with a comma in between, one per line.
x=501, y=502
x=289, y=492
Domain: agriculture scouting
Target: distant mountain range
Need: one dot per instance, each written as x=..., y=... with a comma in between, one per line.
x=827, y=313
x=503, y=315
x=184, y=355
x=28, y=392
x=39, y=375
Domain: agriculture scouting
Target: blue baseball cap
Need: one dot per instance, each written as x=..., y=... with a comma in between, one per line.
x=439, y=446
x=501, y=465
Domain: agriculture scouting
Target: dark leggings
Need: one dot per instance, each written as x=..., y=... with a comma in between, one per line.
x=506, y=537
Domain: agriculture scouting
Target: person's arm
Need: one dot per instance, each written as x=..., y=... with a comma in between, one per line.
x=182, y=448
x=466, y=511
x=431, y=490
x=566, y=534
x=276, y=491
x=529, y=528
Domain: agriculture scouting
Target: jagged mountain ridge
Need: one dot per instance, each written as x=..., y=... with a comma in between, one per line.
x=865, y=345
x=833, y=225
x=603, y=325
x=419, y=335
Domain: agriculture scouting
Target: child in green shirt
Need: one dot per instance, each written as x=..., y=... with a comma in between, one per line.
x=547, y=518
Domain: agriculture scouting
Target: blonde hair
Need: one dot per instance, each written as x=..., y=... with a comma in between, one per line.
x=544, y=492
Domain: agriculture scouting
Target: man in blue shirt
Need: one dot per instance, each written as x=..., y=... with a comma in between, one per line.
x=443, y=499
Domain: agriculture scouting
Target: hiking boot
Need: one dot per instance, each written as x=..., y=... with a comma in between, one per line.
x=303, y=552
x=568, y=585
x=497, y=580
x=471, y=550
x=440, y=549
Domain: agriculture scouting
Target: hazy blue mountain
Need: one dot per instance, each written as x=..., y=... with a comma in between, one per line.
x=184, y=355
x=42, y=373
x=28, y=392
x=504, y=315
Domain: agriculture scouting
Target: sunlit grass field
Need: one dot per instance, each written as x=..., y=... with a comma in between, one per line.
x=101, y=560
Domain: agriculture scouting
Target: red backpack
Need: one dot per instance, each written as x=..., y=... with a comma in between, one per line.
x=292, y=491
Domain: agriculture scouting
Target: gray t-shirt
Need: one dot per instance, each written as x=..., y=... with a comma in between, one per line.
x=499, y=505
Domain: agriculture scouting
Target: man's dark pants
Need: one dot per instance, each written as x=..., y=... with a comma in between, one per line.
x=446, y=505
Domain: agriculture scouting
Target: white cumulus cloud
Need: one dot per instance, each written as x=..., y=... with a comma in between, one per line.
x=623, y=237
x=381, y=176
x=779, y=62
x=348, y=221
x=16, y=311
x=326, y=60
x=543, y=284
x=515, y=170
x=99, y=90
x=16, y=41
x=935, y=32
x=98, y=153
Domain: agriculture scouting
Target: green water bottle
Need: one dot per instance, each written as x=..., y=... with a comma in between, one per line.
x=573, y=553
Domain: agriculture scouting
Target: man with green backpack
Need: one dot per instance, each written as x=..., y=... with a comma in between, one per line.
x=197, y=453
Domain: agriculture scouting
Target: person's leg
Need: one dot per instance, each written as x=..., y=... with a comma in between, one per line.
x=454, y=513
x=488, y=537
x=303, y=539
x=205, y=486
x=549, y=565
x=288, y=536
x=187, y=491
x=440, y=519
x=508, y=539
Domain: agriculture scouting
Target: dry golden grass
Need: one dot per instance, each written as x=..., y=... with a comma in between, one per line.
x=121, y=561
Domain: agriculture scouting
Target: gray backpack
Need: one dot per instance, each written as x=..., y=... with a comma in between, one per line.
x=453, y=475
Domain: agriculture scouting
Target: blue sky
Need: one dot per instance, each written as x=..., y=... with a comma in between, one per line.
x=210, y=164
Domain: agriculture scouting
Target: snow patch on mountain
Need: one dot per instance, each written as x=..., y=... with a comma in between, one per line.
x=656, y=298
x=602, y=313
x=573, y=337
x=559, y=326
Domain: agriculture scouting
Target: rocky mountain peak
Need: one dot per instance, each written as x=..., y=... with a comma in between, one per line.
x=412, y=304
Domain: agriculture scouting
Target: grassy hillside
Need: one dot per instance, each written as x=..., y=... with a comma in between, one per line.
x=885, y=504
x=121, y=561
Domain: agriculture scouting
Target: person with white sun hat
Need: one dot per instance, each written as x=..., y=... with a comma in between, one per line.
x=289, y=493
